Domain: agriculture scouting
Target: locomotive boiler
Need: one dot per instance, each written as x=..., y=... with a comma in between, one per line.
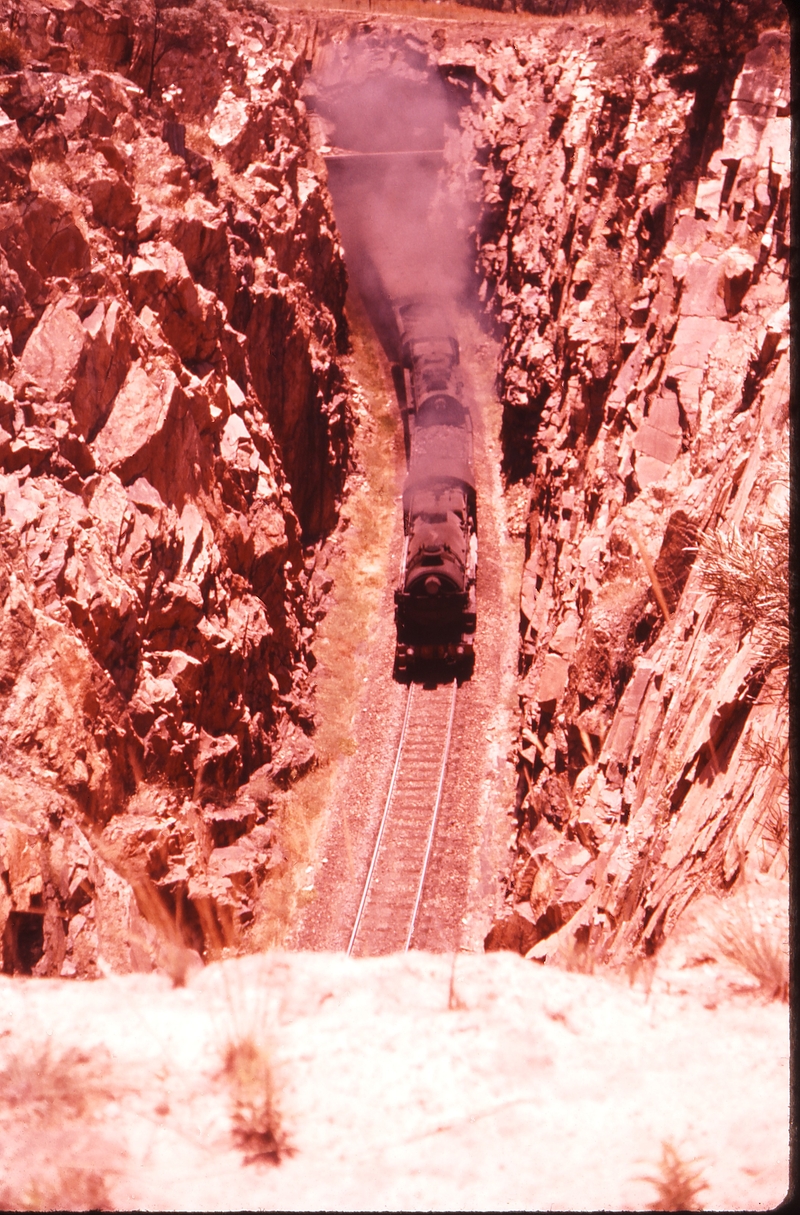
x=435, y=601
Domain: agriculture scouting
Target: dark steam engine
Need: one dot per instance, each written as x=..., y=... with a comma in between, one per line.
x=435, y=601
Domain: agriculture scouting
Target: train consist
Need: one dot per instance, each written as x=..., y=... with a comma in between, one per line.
x=435, y=600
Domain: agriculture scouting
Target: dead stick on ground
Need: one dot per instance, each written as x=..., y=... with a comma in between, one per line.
x=651, y=573
x=586, y=743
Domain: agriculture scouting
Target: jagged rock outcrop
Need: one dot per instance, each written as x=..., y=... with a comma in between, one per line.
x=173, y=445
x=645, y=384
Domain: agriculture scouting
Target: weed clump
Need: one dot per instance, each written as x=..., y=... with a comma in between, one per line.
x=621, y=58
x=677, y=1187
x=12, y=58
x=751, y=577
x=760, y=951
x=257, y=1128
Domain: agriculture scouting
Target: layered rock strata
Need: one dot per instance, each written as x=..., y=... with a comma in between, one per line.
x=638, y=267
x=173, y=443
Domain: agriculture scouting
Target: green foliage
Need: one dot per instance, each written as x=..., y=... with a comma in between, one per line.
x=621, y=57
x=713, y=36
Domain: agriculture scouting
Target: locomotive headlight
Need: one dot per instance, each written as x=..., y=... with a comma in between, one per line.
x=433, y=585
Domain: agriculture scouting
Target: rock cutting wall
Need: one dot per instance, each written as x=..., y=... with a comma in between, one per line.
x=638, y=268
x=173, y=444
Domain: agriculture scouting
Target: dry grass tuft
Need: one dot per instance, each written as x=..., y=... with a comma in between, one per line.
x=173, y=946
x=46, y=1107
x=751, y=577
x=578, y=955
x=454, y=1000
x=658, y=590
x=775, y=827
x=12, y=56
x=257, y=1128
x=52, y=1089
x=677, y=1187
x=760, y=951
x=641, y=966
x=72, y=1189
x=174, y=953
x=773, y=821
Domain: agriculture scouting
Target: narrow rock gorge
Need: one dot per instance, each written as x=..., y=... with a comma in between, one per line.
x=177, y=430
x=205, y=231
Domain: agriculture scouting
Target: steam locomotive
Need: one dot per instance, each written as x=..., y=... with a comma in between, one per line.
x=435, y=600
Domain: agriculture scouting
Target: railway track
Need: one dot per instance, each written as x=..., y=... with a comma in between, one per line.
x=390, y=904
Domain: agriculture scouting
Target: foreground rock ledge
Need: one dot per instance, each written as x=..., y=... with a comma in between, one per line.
x=402, y=1084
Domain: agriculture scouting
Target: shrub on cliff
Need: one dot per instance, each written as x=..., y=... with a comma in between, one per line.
x=751, y=578
x=11, y=56
x=712, y=37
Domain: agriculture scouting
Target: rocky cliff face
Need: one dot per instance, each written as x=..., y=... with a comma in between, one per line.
x=173, y=443
x=638, y=267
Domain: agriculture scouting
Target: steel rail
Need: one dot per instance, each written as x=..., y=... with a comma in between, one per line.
x=389, y=796
x=436, y=806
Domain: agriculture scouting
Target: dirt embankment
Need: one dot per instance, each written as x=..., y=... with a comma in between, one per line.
x=405, y=1083
x=174, y=434
x=637, y=263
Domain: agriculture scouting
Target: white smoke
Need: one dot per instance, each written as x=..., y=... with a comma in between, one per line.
x=403, y=231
